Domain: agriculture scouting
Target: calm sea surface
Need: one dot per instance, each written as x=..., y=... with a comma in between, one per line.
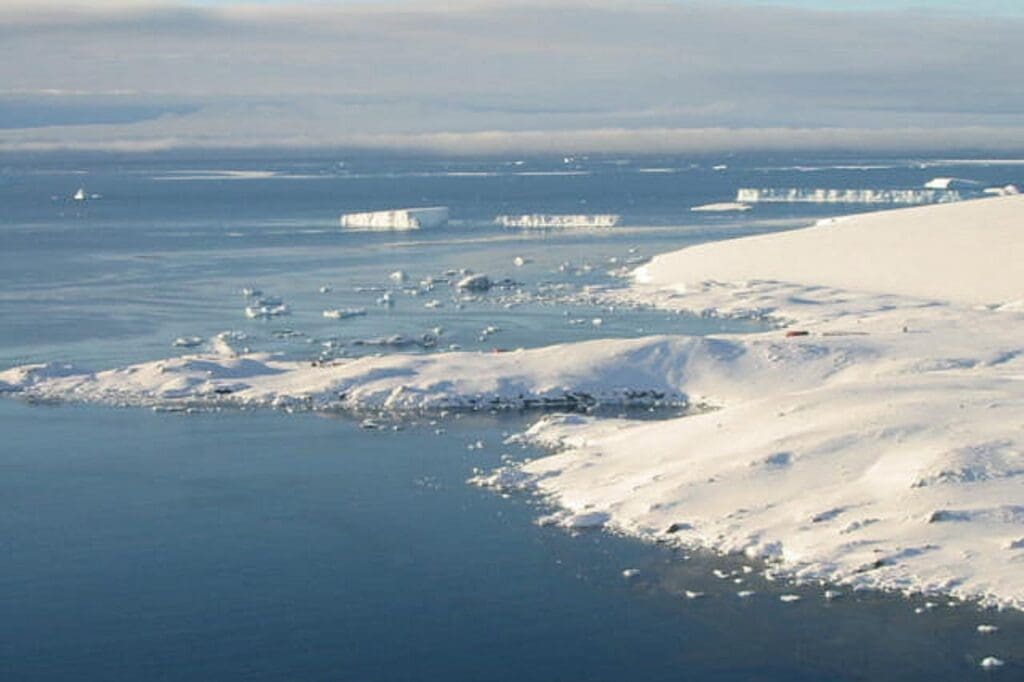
x=262, y=545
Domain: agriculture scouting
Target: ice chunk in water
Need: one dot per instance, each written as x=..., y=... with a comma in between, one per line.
x=478, y=282
x=187, y=341
x=344, y=313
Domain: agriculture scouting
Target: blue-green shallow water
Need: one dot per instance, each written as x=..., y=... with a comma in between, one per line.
x=266, y=546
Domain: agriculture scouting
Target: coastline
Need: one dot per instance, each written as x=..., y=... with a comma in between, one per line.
x=878, y=450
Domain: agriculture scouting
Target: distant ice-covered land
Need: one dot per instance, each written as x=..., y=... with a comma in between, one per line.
x=848, y=196
x=541, y=220
x=397, y=219
x=874, y=439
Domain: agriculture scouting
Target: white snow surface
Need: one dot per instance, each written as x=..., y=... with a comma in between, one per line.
x=397, y=219
x=882, y=447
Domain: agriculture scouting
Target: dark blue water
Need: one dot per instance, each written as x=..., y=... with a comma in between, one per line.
x=268, y=546
x=271, y=546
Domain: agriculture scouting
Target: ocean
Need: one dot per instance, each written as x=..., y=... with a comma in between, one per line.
x=265, y=545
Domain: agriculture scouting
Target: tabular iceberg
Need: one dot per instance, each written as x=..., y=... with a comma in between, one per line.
x=397, y=219
x=849, y=196
x=542, y=220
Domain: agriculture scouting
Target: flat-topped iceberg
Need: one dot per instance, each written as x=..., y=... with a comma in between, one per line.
x=397, y=219
x=910, y=197
x=550, y=220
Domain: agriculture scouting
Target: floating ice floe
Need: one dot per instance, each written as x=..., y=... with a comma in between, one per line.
x=344, y=313
x=397, y=219
x=474, y=282
x=1004, y=191
x=82, y=195
x=187, y=341
x=991, y=663
x=265, y=311
x=549, y=220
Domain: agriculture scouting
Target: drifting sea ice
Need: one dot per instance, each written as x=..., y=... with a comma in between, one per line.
x=344, y=313
x=264, y=312
x=187, y=342
x=474, y=282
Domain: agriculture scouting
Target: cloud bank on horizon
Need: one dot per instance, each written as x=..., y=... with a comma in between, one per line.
x=507, y=76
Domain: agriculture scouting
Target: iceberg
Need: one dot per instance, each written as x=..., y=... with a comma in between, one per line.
x=266, y=311
x=477, y=282
x=722, y=207
x=1004, y=191
x=546, y=220
x=950, y=183
x=397, y=219
x=344, y=313
x=910, y=197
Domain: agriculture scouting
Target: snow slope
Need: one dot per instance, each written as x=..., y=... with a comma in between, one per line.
x=877, y=441
x=969, y=252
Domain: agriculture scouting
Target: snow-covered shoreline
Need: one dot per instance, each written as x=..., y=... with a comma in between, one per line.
x=877, y=441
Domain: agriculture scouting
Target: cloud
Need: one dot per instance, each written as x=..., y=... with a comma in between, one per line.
x=465, y=75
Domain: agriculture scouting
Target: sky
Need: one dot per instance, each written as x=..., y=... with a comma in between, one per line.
x=513, y=76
